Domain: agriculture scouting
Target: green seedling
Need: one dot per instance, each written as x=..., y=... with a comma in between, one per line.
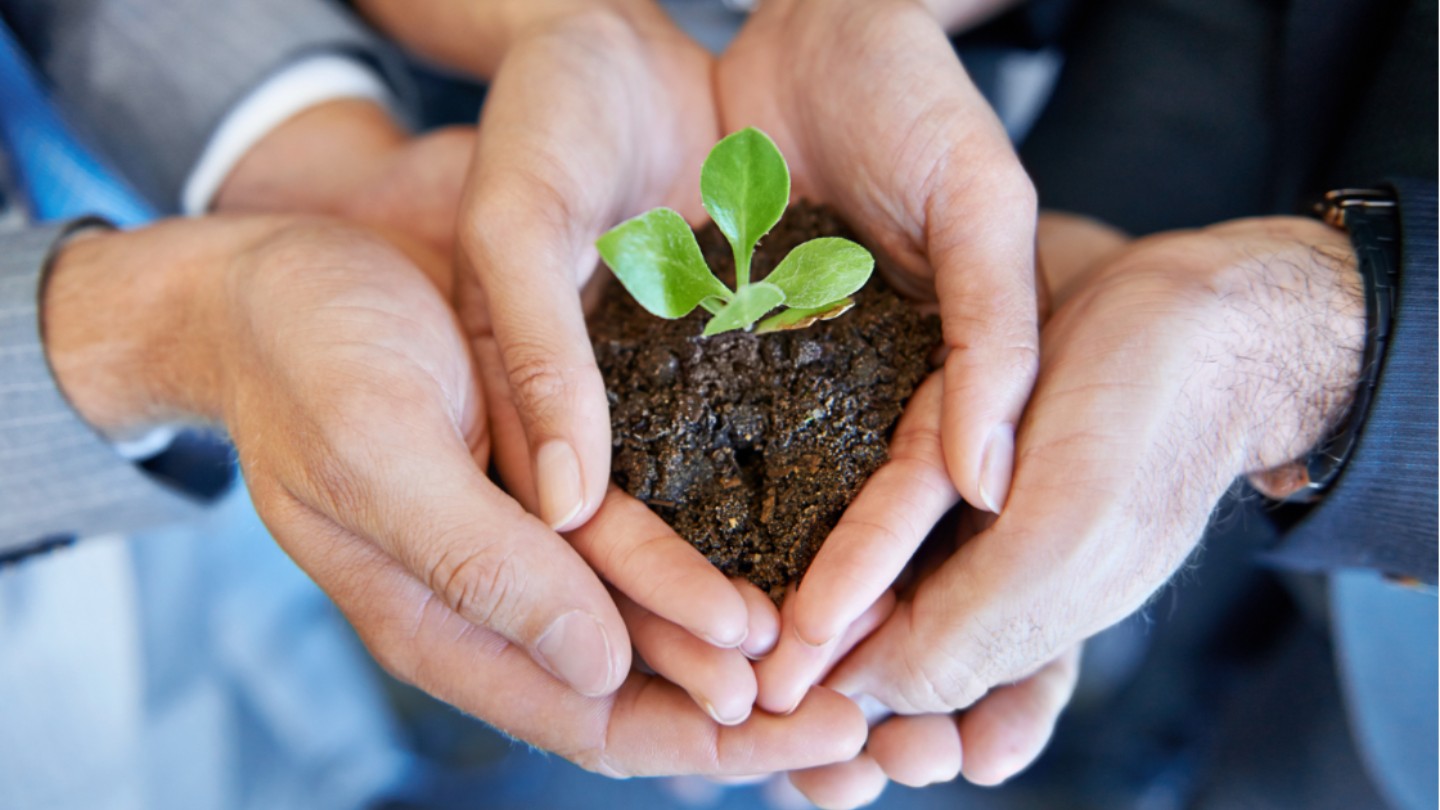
x=745, y=186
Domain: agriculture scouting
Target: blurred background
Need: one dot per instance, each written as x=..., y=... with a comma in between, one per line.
x=1223, y=692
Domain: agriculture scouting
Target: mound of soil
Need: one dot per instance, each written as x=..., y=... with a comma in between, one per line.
x=751, y=446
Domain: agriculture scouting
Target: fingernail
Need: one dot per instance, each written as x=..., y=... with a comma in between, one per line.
x=576, y=649
x=814, y=645
x=562, y=493
x=724, y=721
x=997, y=464
x=758, y=645
x=724, y=644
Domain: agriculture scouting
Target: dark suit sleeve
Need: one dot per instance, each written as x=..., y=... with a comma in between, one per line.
x=1381, y=513
x=149, y=81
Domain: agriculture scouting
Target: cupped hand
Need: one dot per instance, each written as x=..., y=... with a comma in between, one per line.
x=1175, y=365
x=874, y=547
x=876, y=116
x=591, y=118
x=345, y=382
x=350, y=159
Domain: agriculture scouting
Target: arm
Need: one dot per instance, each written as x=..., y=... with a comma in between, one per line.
x=149, y=83
x=959, y=15
x=333, y=360
x=474, y=37
x=1381, y=512
x=59, y=476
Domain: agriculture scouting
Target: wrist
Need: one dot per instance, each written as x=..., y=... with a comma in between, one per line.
x=131, y=322
x=474, y=38
x=315, y=162
x=951, y=15
x=1303, y=306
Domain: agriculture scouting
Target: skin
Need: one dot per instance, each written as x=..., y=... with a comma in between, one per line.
x=1114, y=485
x=334, y=361
x=982, y=632
x=601, y=110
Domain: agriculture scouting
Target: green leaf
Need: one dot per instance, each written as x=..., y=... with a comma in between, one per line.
x=801, y=318
x=656, y=257
x=750, y=303
x=745, y=186
x=822, y=271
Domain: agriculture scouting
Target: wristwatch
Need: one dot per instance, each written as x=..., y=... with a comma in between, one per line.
x=1369, y=217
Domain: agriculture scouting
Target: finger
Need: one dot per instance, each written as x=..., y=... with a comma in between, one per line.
x=396, y=470
x=764, y=627
x=882, y=527
x=1006, y=731
x=855, y=783
x=625, y=542
x=721, y=681
x=1068, y=247
x=790, y=671
x=985, y=279
x=647, y=728
x=1067, y=560
x=634, y=550
x=917, y=750
x=547, y=179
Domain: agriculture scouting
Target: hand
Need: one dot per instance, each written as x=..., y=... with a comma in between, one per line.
x=1178, y=364
x=991, y=741
x=344, y=380
x=591, y=118
x=350, y=159
x=876, y=116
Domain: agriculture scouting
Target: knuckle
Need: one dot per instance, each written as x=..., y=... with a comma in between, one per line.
x=538, y=383
x=479, y=584
x=333, y=477
x=950, y=687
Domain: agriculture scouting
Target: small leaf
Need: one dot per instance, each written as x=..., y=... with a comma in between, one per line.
x=801, y=318
x=656, y=257
x=822, y=271
x=745, y=186
x=749, y=304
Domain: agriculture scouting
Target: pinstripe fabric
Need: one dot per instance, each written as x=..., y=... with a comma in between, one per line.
x=1382, y=511
x=113, y=65
x=58, y=477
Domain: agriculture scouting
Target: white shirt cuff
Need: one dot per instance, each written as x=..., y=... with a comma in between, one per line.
x=305, y=84
x=151, y=444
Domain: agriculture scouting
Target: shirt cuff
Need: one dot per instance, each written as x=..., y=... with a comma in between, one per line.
x=309, y=82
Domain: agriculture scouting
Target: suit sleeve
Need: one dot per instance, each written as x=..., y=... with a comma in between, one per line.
x=1381, y=513
x=148, y=82
x=59, y=479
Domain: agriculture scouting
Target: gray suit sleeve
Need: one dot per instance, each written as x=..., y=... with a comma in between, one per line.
x=148, y=81
x=58, y=477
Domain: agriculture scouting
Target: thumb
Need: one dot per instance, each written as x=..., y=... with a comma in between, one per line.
x=552, y=168
x=529, y=255
x=985, y=279
x=409, y=484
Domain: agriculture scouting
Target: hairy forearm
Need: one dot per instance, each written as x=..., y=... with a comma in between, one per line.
x=130, y=320
x=473, y=36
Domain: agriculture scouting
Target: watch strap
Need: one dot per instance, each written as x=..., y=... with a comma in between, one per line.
x=1369, y=217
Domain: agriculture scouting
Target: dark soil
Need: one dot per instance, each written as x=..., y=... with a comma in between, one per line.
x=751, y=446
